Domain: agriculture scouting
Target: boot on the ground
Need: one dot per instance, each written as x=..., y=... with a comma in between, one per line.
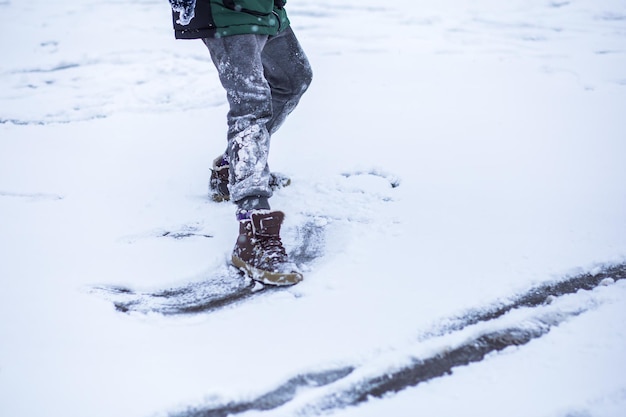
x=259, y=252
x=218, y=183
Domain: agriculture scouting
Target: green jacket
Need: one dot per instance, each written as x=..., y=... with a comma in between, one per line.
x=217, y=18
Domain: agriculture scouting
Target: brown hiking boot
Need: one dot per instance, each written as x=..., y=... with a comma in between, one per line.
x=259, y=252
x=218, y=183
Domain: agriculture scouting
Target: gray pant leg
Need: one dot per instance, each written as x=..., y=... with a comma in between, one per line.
x=288, y=73
x=240, y=69
x=264, y=78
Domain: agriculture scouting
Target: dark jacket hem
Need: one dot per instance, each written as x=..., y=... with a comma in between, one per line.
x=194, y=34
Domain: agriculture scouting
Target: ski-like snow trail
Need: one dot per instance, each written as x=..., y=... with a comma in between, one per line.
x=539, y=310
x=221, y=288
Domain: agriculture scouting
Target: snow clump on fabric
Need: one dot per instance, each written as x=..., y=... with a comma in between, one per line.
x=186, y=10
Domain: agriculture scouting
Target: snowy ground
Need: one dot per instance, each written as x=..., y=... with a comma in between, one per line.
x=454, y=155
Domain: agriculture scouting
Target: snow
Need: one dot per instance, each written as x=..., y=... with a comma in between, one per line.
x=456, y=154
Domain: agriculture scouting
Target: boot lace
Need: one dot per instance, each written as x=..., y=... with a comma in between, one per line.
x=272, y=250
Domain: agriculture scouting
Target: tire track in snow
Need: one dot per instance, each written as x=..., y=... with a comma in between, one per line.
x=273, y=399
x=345, y=386
x=534, y=297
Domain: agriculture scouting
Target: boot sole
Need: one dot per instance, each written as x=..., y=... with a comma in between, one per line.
x=267, y=277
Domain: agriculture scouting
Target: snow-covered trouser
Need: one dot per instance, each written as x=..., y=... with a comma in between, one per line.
x=264, y=78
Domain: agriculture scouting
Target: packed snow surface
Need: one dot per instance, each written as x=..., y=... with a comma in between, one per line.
x=452, y=154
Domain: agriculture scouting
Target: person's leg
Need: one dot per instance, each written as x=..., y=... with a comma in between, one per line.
x=288, y=72
x=240, y=69
x=258, y=250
